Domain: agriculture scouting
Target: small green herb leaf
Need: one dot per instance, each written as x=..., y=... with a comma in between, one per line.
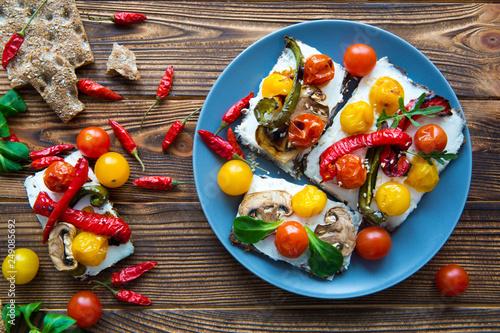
x=7, y=165
x=27, y=310
x=12, y=103
x=55, y=323
x=15, y=151
x=9, y=314
x=249, y=230
x=4, y=128
x=440, y=157
x=325, y=259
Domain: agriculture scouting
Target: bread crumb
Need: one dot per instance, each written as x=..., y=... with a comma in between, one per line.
x=122, y=61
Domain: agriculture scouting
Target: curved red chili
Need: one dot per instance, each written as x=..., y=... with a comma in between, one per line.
x=234, y=143
x=163, y=90
x=131, y=273
x=158, y=182
x=12, y=137
x=234, y=112
x=122, y=18
x=50, y=151
x=127, y=295
x=96, y=90
x=126, y=140
x=43, y=162
x=174, y=131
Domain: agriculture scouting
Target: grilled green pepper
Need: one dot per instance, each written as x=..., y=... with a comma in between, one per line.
x=99, y=195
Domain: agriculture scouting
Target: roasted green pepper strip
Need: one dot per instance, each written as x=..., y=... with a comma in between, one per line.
x=266, y=111
x=99, y=195
x=366, y=190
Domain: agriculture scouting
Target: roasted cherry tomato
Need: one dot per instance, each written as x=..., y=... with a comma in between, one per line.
x=393, y=198
x=276, y=85
x=373, y=243
x=430, y=137
x=20, y=266
x=452, y=280
x=93, y=142
x=112, y=169
x=90, y=249
x=351, y=171
x=85, y=308
x=318, y=69
x=360, y=59
x=305, y=130
x=309, y=201
x=385, y=94
x=356, y=118
x=235, y=177
x=58, y=176
x=422, y=176
x=291, y=239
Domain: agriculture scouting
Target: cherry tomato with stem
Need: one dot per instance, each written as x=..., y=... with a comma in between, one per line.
x=305, y=130
x=318, y=69
x=92, y=142
x=351, y=171
x=359, y=59
x=85, y=307
x=58, y=176
x=430, y=137
x=373, y=243
x=291, y=239
x=452, y=280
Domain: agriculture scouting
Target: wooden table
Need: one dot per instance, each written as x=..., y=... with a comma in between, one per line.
x=198, y=286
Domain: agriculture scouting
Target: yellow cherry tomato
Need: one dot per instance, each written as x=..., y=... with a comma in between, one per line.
x=235, y=177
x=309, y=201
x=276, y=85
x=90, y=249
x=20, y=266
x=112, y=169
x=422, y=176
x=384, y=95
x=393, y=198
x=356, y=118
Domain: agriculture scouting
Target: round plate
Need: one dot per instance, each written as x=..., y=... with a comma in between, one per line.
x=417, y=240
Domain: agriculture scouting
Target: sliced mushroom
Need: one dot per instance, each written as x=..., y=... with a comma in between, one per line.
x=310, y=102
x=269, y=206
x=276, y=143
x=60, y=243
x=338, y=230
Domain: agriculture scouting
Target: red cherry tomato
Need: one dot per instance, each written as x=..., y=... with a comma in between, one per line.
x=360, y=59
x=93, y=142
x=305, y=130
x=373, y=243
x=318, y=69
x=430, y=137
x=291, y=239
x=452, y=280
x=85, y=308
x=58, y=176
x=351, y=171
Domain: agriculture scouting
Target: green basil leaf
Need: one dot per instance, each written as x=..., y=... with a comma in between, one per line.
x=249, y=230
x=325, y=259
x=4, y=128
x=7, y=110
x=9, y=314
x=28, y=309
x=13, y=101
x=7, y=165
x=55, y=323
x=15, y=151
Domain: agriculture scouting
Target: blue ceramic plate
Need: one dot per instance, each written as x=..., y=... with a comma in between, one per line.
x=418, y=239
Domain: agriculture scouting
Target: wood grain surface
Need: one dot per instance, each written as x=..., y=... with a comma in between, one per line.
x=198, y=286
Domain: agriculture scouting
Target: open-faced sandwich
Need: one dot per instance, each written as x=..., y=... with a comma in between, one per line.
x=88, y=236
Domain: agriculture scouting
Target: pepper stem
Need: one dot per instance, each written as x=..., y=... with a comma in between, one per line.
x=135, y=153
x=103, y=284
x=152, y=106
x=21, y=33
x=183, y=121
x=109, y=18
x=223, y=125
x=238, y=157
x=177, y=182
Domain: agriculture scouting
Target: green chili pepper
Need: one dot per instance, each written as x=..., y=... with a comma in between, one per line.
x=15, y=151
x=12, y=103
x=99, y=195
x=266, y=111
x=7, y=165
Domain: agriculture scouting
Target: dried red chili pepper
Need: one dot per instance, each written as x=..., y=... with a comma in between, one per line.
x=131, y=273
x=158, y=182
x=234, y=143
x=126, y=140
x=234, y=112
x=122, y=18
x=16, y=40
x=116, y=229
x=127, y=295
x=82, y=170
x=43, y=162
x=163, y=90
x=96, y=90
x=347, y=145
x=12, y=137
x=174, y=131
x=50, y=151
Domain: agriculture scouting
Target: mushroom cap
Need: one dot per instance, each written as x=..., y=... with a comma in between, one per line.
x=338, y=230
x=60, y=243
x=270, y=206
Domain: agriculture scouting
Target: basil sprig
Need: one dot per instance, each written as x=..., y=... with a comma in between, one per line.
x=249, y=230
x=12, y=103
x=440, y=157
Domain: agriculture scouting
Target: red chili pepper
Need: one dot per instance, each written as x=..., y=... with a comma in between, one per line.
x=96, y=90
x=16, y=40
x=50, y=151
x=163, y=90
x=157, y=182
x=234, y=143
x=127, y=295
x=347, y=145
x=12, y=137
x=126, y=140
x=43, y=162
x=174, y=131
x=82, y=170
x=131, y=273
x=114, y=228
x=122, y=18
x=234, y=112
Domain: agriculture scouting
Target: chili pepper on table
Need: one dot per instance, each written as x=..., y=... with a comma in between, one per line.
x=116, y=229
x=126, y=140
x=12, y=137
x=122, y=18
x=347, y=145
x=158, y=182
x=163, y=90
x=131, y=273
x=81, y=172
x=174, y=131
x=50, y=151
x=234, y=143
x=127, y=295
x=16, y=40
x=234, y=112
x=96, y=90
x=43, y=162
